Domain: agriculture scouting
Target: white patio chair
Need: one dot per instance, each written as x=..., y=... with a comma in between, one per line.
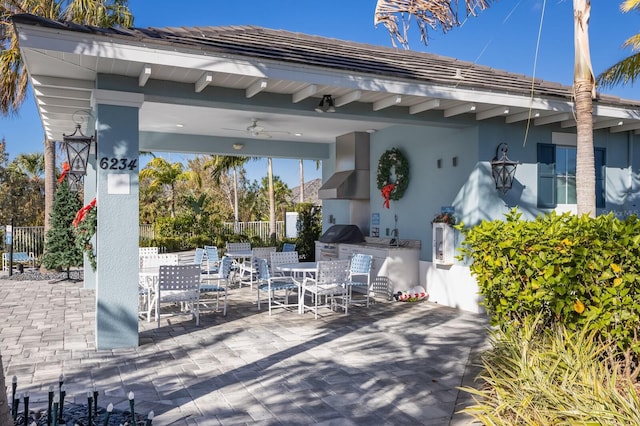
x=179, y=284
x=282, y=258
x=277, y=289
x=217, y=284
x=148, y=281
x=248, y=270
x=236, y=247
x=147, y=250
x=359, y=278
x=329, y=284
x=211, y=260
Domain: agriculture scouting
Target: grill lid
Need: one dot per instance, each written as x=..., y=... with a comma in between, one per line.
x=342, y=234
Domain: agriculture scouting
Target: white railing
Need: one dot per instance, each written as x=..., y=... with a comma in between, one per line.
x=30, y=239
x=255, y=229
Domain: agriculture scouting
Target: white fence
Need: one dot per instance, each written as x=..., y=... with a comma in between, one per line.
x=31, y=238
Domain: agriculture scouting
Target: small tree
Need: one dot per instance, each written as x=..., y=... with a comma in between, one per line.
x=309, y=226
x=60, y=249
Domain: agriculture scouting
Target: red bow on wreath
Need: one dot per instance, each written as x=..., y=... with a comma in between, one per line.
x=386, y=193
x=83, y=212
x=65, y=169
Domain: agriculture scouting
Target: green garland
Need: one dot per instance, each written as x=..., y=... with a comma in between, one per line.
x=86, y=224
x=393, y=158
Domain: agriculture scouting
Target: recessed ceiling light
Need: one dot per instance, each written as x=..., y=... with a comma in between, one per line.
x=179, y=125
x=371, y=130
x=297, y=134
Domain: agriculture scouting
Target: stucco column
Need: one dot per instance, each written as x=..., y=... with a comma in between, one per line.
x=117, y=231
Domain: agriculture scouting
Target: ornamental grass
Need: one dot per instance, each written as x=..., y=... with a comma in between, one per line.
x=540, y=375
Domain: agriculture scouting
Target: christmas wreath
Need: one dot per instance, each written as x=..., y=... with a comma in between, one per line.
x=392, y=159
x=85, y=223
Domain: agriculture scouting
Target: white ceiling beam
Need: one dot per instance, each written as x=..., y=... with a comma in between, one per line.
x=55, y=92
x=63, y=83
x=625, y=127
x=608, y=123
x=550, y=119
x=204, y=80
x=54, y=109
x=493, y=112
x=348, y=98
x=144, y=75
x=305, y=93
x=460, y=109
x=424, y=106
x=256, y=88
x=520, y=116
x=567, y=124
x=63, y=102
x=387, y=102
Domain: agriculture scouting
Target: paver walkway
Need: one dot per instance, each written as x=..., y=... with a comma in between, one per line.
x=392, y=364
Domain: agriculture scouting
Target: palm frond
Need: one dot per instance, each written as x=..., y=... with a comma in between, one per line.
x=624, y=72
x=428, y=13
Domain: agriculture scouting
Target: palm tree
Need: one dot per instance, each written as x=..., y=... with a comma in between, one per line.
x=220, y=165
x=163, y=174
x=444, y=13
x=628, y=69
x=13, y=75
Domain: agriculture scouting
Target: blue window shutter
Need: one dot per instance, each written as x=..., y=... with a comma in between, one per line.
x=600, y=162
x=546, y=175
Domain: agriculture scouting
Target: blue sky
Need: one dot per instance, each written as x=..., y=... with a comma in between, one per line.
x=505, y=36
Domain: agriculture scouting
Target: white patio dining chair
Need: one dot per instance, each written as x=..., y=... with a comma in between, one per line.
x=216, y=285
x=248, y=270
x=148, y=279
x=327, y=288
x=278, y=289
x=359, y=279
x=179, y=284
x=282, y=258
x=238, y=247
x=211, y=260
x=147, y=250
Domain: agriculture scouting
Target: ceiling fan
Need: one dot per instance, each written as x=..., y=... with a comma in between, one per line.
x=257, y=131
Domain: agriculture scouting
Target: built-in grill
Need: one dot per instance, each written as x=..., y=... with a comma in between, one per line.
x=328, y=246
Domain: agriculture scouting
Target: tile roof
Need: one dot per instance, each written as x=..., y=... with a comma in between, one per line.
x=293, y=47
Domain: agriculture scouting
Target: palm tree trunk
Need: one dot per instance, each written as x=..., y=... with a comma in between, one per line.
x=49, y=180
x=301, y=181
x=584, y=91
x=236, y=226
x=5, y=414
x=272, y=202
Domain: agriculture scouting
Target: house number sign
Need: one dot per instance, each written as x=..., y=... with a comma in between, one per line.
x=109, y=163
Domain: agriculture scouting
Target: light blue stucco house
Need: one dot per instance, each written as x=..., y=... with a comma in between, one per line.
x=199, y=90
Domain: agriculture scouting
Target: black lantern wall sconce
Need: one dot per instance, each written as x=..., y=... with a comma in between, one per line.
x=327, y=104
x=78, y=147
x=503, y=170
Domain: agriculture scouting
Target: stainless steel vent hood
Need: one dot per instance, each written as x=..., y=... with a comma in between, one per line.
x=351, y=179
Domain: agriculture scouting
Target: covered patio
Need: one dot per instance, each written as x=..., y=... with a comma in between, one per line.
x=392, y=364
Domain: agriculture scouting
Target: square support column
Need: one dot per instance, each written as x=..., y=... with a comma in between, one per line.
x=117, y=231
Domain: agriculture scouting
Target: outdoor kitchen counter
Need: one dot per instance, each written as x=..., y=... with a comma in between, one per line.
x=395, y=268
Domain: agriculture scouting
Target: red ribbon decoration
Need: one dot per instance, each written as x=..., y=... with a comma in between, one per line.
x=83, y=212
x=65, y=169
x=386, y=193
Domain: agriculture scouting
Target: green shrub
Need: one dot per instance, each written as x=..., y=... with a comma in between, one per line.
x=539, y=375
x=569, y=269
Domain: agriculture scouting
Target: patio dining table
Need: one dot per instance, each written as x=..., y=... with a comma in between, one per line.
x=241, y=256
x=298, y=271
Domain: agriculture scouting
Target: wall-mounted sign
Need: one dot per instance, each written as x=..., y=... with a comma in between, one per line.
x=375, y=218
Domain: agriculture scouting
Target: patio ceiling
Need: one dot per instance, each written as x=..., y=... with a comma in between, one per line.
x=214, y=82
